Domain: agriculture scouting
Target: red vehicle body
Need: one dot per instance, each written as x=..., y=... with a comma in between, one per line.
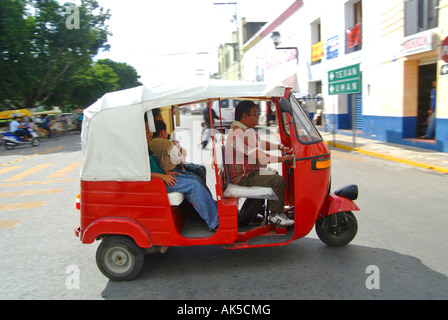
x=136, y=217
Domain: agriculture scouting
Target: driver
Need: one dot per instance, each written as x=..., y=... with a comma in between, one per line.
x=246, y=161
x=19, y=130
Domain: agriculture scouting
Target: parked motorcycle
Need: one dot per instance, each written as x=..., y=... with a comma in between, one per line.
x=11, y=141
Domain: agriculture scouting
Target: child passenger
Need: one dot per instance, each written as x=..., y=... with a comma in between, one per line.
x=193, y=189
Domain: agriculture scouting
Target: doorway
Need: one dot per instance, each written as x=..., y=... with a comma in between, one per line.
x=427, y=73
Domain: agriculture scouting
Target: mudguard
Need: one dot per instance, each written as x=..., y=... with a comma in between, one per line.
x=334, y=204
x=116, y=226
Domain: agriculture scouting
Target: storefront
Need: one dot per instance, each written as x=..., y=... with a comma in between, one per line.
x=420, y=74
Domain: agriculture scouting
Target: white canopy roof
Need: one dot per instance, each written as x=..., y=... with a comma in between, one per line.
x=114, y=136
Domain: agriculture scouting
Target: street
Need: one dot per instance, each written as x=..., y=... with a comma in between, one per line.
x=402, y=235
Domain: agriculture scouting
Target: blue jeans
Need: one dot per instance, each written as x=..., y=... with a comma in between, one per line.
x=431, y=127
x=199, y=196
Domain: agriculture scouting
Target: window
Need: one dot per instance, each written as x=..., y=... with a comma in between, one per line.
x=353, y=26
x=317, y=44
x=305, y=130
x=420, y=15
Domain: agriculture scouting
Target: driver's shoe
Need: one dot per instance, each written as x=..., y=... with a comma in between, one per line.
x=281, y=219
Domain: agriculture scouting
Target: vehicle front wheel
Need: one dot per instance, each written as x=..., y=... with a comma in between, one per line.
x=35, y=142
x=119, y=258
x=341, y=234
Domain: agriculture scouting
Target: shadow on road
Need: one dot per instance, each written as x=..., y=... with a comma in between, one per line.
x=305, y=269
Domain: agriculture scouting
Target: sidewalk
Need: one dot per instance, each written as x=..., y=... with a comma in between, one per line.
x=418, y=157
x=433, y=160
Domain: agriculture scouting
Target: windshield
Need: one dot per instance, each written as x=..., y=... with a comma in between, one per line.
x=305, y=130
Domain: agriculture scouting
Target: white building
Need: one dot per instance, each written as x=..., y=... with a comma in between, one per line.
x=386, y=55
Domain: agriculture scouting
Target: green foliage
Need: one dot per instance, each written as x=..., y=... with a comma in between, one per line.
x=42, y=60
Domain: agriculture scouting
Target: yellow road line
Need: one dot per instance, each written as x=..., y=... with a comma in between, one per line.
x=340, y=154
x=21, y=206
x=29, y=192
x=5, y=170
x=33, y=183
x=29, y=172
x=31, y=156
x=9, y=224
x=61, y=173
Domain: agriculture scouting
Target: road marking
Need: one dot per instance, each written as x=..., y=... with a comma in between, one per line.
x=9, y=224
x=61, y=173
x=339, y=154
x=21, y=206
x=33, y=183
x=5, y=170
x=31, y=156
x=29, y=172
x=29, y=192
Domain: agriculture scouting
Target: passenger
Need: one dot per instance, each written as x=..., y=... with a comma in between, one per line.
x=245, y=160
x=197, y=169
x=193, y=189
x=46, y=124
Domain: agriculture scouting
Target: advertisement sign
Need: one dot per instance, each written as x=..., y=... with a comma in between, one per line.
x=354, y=36
x=333, y=48
x=420, y=42
x=317, y=51
x=445, y=50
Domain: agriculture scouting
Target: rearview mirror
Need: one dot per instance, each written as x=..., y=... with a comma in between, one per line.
x=285, y=106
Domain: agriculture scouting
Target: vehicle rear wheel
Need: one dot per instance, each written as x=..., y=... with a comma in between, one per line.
x=9, y=146
x=119, y=258
x=341, y=234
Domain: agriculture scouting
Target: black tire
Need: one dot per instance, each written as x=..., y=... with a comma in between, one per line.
x=119, y=258
x=35, y=142
x=9, y=146
x=342, y=234
x=249, y=211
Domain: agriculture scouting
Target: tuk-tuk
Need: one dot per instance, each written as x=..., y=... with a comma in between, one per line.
x=133, y=215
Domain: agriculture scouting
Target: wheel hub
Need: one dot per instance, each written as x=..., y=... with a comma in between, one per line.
x=119, y=258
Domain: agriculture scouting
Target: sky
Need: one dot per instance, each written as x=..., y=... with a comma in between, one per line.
x=162, y=39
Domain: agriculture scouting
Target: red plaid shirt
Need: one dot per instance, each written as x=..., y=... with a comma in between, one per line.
x=241, y=152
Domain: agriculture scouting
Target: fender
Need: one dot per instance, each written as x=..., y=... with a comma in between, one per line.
x=116, y=226
x=334, y=204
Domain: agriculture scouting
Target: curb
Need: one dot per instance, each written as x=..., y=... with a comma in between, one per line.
x=386, y=157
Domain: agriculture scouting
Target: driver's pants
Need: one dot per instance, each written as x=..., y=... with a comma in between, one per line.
x=267, y=179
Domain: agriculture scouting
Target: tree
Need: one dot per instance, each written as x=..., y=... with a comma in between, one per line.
x=128, y=77
x=92, y=84
x=16, y=29
x=93, y=81
x=38, y=50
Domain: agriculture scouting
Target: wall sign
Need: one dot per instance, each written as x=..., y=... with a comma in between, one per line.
x=417, y=43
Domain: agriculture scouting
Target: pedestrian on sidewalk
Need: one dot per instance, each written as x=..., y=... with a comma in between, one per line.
x=430, y=131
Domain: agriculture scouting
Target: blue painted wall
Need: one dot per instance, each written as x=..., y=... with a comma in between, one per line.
x=393, y=130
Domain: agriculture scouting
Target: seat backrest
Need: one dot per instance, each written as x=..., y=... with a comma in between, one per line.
x=222, y=167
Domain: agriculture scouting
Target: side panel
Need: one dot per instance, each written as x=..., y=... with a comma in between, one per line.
x=145, y=203
x=124, y=205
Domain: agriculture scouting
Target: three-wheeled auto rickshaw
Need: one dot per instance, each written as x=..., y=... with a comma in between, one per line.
x=133, y=215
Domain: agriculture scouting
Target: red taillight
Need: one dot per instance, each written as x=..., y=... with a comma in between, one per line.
x=78, y=201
